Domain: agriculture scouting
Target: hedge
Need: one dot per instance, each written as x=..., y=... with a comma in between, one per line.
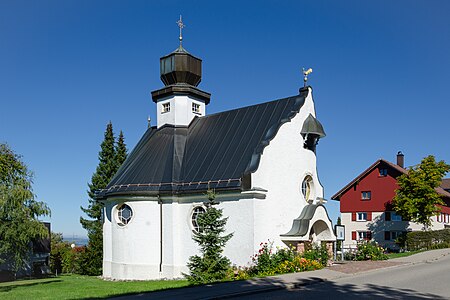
x=421, y=240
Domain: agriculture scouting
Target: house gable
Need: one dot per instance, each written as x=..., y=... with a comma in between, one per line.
x=372, y=190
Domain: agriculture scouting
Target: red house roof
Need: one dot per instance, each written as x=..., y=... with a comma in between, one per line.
x=445, y=184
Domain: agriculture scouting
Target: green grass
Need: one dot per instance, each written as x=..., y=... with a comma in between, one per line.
x=80, y=287
x=402, y=254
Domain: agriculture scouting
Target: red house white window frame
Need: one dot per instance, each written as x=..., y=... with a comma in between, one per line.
x=366, y=195
x=362, y=235
x=362, y=216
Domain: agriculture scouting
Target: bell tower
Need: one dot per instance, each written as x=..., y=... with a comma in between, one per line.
x=179, y=101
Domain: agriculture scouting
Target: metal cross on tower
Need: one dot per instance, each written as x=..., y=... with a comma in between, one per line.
x=181, y=26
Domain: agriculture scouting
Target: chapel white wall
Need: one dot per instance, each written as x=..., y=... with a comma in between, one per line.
x=283, y=166
x=134, y=248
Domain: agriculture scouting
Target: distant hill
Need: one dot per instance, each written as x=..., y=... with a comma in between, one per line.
x=77, y=240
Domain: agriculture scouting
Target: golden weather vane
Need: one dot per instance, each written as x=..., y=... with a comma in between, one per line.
x=305, y=75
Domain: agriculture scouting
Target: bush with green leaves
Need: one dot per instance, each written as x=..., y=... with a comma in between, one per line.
x=423, y=240
x=370, y=251
x=298, y=264
x=74, y=261
x=59, y=250
x=268, y=261
x=318, y=253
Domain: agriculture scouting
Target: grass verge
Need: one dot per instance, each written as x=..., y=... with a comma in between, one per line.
x=403, y=254
x=80, y=287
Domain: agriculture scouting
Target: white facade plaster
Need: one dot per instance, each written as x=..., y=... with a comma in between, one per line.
x=283, y=166
x=133, y=251
x=180, y=113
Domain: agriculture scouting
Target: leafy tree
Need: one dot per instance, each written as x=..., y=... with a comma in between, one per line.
x=111, y=156
x=416, y=198
x=19, y=210
x=211, y=265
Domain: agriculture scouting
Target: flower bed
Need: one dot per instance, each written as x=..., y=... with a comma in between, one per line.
x=269, y=261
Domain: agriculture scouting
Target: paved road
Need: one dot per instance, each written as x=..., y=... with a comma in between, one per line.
x=424, y=275
x=430, y=280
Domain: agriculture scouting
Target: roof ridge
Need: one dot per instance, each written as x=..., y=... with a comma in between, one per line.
x=248, y=106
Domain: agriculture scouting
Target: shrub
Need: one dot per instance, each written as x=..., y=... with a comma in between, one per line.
x=264, y=261
x=318, y=253
x=419, y=240
x=298, y=264
x=240, y=273
x=284, y=260
x=72, y=260
x=370, y=251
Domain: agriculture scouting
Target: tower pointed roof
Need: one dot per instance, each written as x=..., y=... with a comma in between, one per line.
x=181, y=73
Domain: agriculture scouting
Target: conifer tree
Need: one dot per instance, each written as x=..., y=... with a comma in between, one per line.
x=211, y=265
x=121, y=151
x=110, y=157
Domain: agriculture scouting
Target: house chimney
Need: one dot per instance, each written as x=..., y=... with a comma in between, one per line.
x=400, y=159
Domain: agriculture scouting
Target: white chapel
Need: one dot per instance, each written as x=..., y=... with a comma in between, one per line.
x=260, y=160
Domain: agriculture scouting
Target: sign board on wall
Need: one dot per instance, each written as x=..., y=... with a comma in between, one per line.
x=340, y=232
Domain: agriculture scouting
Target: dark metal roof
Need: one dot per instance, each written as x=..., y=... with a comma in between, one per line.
x=181, y=67
x=216, y=151
x=313, y=126
x=300, y=225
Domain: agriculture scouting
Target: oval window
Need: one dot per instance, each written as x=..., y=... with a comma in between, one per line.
x=307, y=188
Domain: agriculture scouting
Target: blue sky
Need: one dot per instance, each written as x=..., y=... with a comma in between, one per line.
x=67, y=68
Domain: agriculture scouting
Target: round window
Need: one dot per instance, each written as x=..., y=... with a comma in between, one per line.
x=307, y=186
x=195, y=213
x=124, y=214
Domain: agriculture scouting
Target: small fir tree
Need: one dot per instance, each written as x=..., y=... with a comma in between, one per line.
x=111, y=156
x=211, y=265
x=416, y=198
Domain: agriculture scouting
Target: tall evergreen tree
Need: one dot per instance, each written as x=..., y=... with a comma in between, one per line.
x=211, y=265
x=121, y=151
x=110, y=157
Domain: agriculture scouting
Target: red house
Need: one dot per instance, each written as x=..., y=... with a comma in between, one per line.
x=366, y=210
